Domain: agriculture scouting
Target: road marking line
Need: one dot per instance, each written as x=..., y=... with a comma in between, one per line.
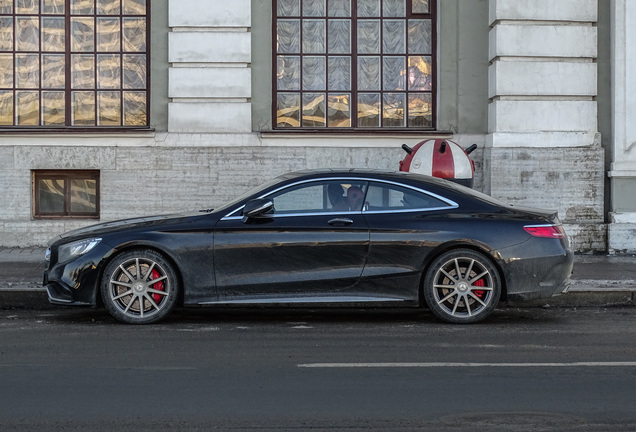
x=456, y=365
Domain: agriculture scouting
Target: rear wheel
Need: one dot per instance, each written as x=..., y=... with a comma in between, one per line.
x=462, y=286
x=139, y=287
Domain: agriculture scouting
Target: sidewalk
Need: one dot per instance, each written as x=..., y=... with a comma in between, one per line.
x=10, y=255
x=598, y=280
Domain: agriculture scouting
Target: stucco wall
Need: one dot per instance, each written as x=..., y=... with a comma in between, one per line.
x=544, y=148
x=463, y=66
x=159, y=65
x=622, y=229
x=145, y=180
x=211, y=94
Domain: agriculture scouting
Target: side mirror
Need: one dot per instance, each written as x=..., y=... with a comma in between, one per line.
x=258, y=208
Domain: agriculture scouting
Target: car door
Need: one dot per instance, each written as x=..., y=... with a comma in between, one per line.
x=405, y=224
x=310, y=247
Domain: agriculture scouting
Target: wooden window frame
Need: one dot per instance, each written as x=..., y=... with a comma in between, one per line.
x=67, y=176
x=354, y=128
x=68, y=91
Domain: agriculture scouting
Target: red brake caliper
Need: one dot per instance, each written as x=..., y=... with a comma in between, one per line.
x=158, y=286
x=479, y=283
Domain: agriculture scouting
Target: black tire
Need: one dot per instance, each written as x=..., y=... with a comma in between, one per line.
x=462, y=286
x=139, y=287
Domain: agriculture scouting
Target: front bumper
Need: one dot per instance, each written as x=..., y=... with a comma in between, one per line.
x=60, y=295
x=74, y=283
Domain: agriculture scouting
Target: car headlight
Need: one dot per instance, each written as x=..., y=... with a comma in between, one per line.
x=76, y=248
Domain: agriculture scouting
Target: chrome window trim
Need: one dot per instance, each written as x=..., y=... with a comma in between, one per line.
x=451, y=204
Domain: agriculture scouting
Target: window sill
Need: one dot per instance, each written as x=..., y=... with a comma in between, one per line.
x=355, y=133
x=323, y=133
x=60, y=218
x=91, y=132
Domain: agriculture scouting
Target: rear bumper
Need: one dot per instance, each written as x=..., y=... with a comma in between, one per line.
x=536, y=278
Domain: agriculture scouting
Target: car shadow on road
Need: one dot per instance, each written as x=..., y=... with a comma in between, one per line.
x=255, y=316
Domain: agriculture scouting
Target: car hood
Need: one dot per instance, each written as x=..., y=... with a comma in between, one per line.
x=127, y=224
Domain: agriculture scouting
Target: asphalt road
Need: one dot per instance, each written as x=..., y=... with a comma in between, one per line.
x=266, y=370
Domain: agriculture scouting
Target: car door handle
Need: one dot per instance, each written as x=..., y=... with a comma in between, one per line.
x=340, y=221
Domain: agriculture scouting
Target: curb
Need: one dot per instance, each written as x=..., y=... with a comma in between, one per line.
x=31, y=295
x=597, y=281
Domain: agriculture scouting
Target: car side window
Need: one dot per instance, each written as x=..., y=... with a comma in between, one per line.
x=393, y=197
x=320, y=197
x=299, y=199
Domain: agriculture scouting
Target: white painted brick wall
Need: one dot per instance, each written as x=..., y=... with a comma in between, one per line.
x=623, y=88
x=543, y=144
x=209, y=47
x=571, y=41
x=569, y=180
x=542, y=116
x=210, y=154
x=542, y=78
x=232, y=82
x=150, y=180
x=209, y=80
x=189, y=173
x=545, y=139
x=209, y=13
x=543, y=10
x=209, y=117
x=15, y=199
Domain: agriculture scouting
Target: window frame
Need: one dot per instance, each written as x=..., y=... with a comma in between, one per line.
x=67, y=176
x=385, y=188
x=354, y=91
x=326, y=205
x=367, y=181
x=67, y=89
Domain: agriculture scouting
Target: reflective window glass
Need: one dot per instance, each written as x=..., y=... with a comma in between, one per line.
x=53, y=105
x=383, y=196
x=320, y=197
x=375, y=58
x=53, y=7
x=67, y=63
x=51, y=195
x=66, y=194
x=421, y=6
x=83, y=196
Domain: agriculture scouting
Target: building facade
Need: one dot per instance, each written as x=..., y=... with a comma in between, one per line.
x=121, y=108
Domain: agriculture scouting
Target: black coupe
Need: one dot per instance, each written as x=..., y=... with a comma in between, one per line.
x=328, y=237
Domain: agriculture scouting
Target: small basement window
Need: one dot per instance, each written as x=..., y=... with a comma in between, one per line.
x=66, y=194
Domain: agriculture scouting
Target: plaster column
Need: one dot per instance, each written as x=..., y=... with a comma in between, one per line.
x=209, y=75
x=622, y=228
x=543, y=146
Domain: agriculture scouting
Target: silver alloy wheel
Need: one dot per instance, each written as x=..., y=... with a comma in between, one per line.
x=462, y=286
x=139, y=287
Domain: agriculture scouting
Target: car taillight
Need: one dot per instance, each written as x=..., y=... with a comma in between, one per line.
x=546, y=231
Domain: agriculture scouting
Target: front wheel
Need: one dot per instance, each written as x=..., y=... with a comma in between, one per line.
x=462, y=286
x=139, y=287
